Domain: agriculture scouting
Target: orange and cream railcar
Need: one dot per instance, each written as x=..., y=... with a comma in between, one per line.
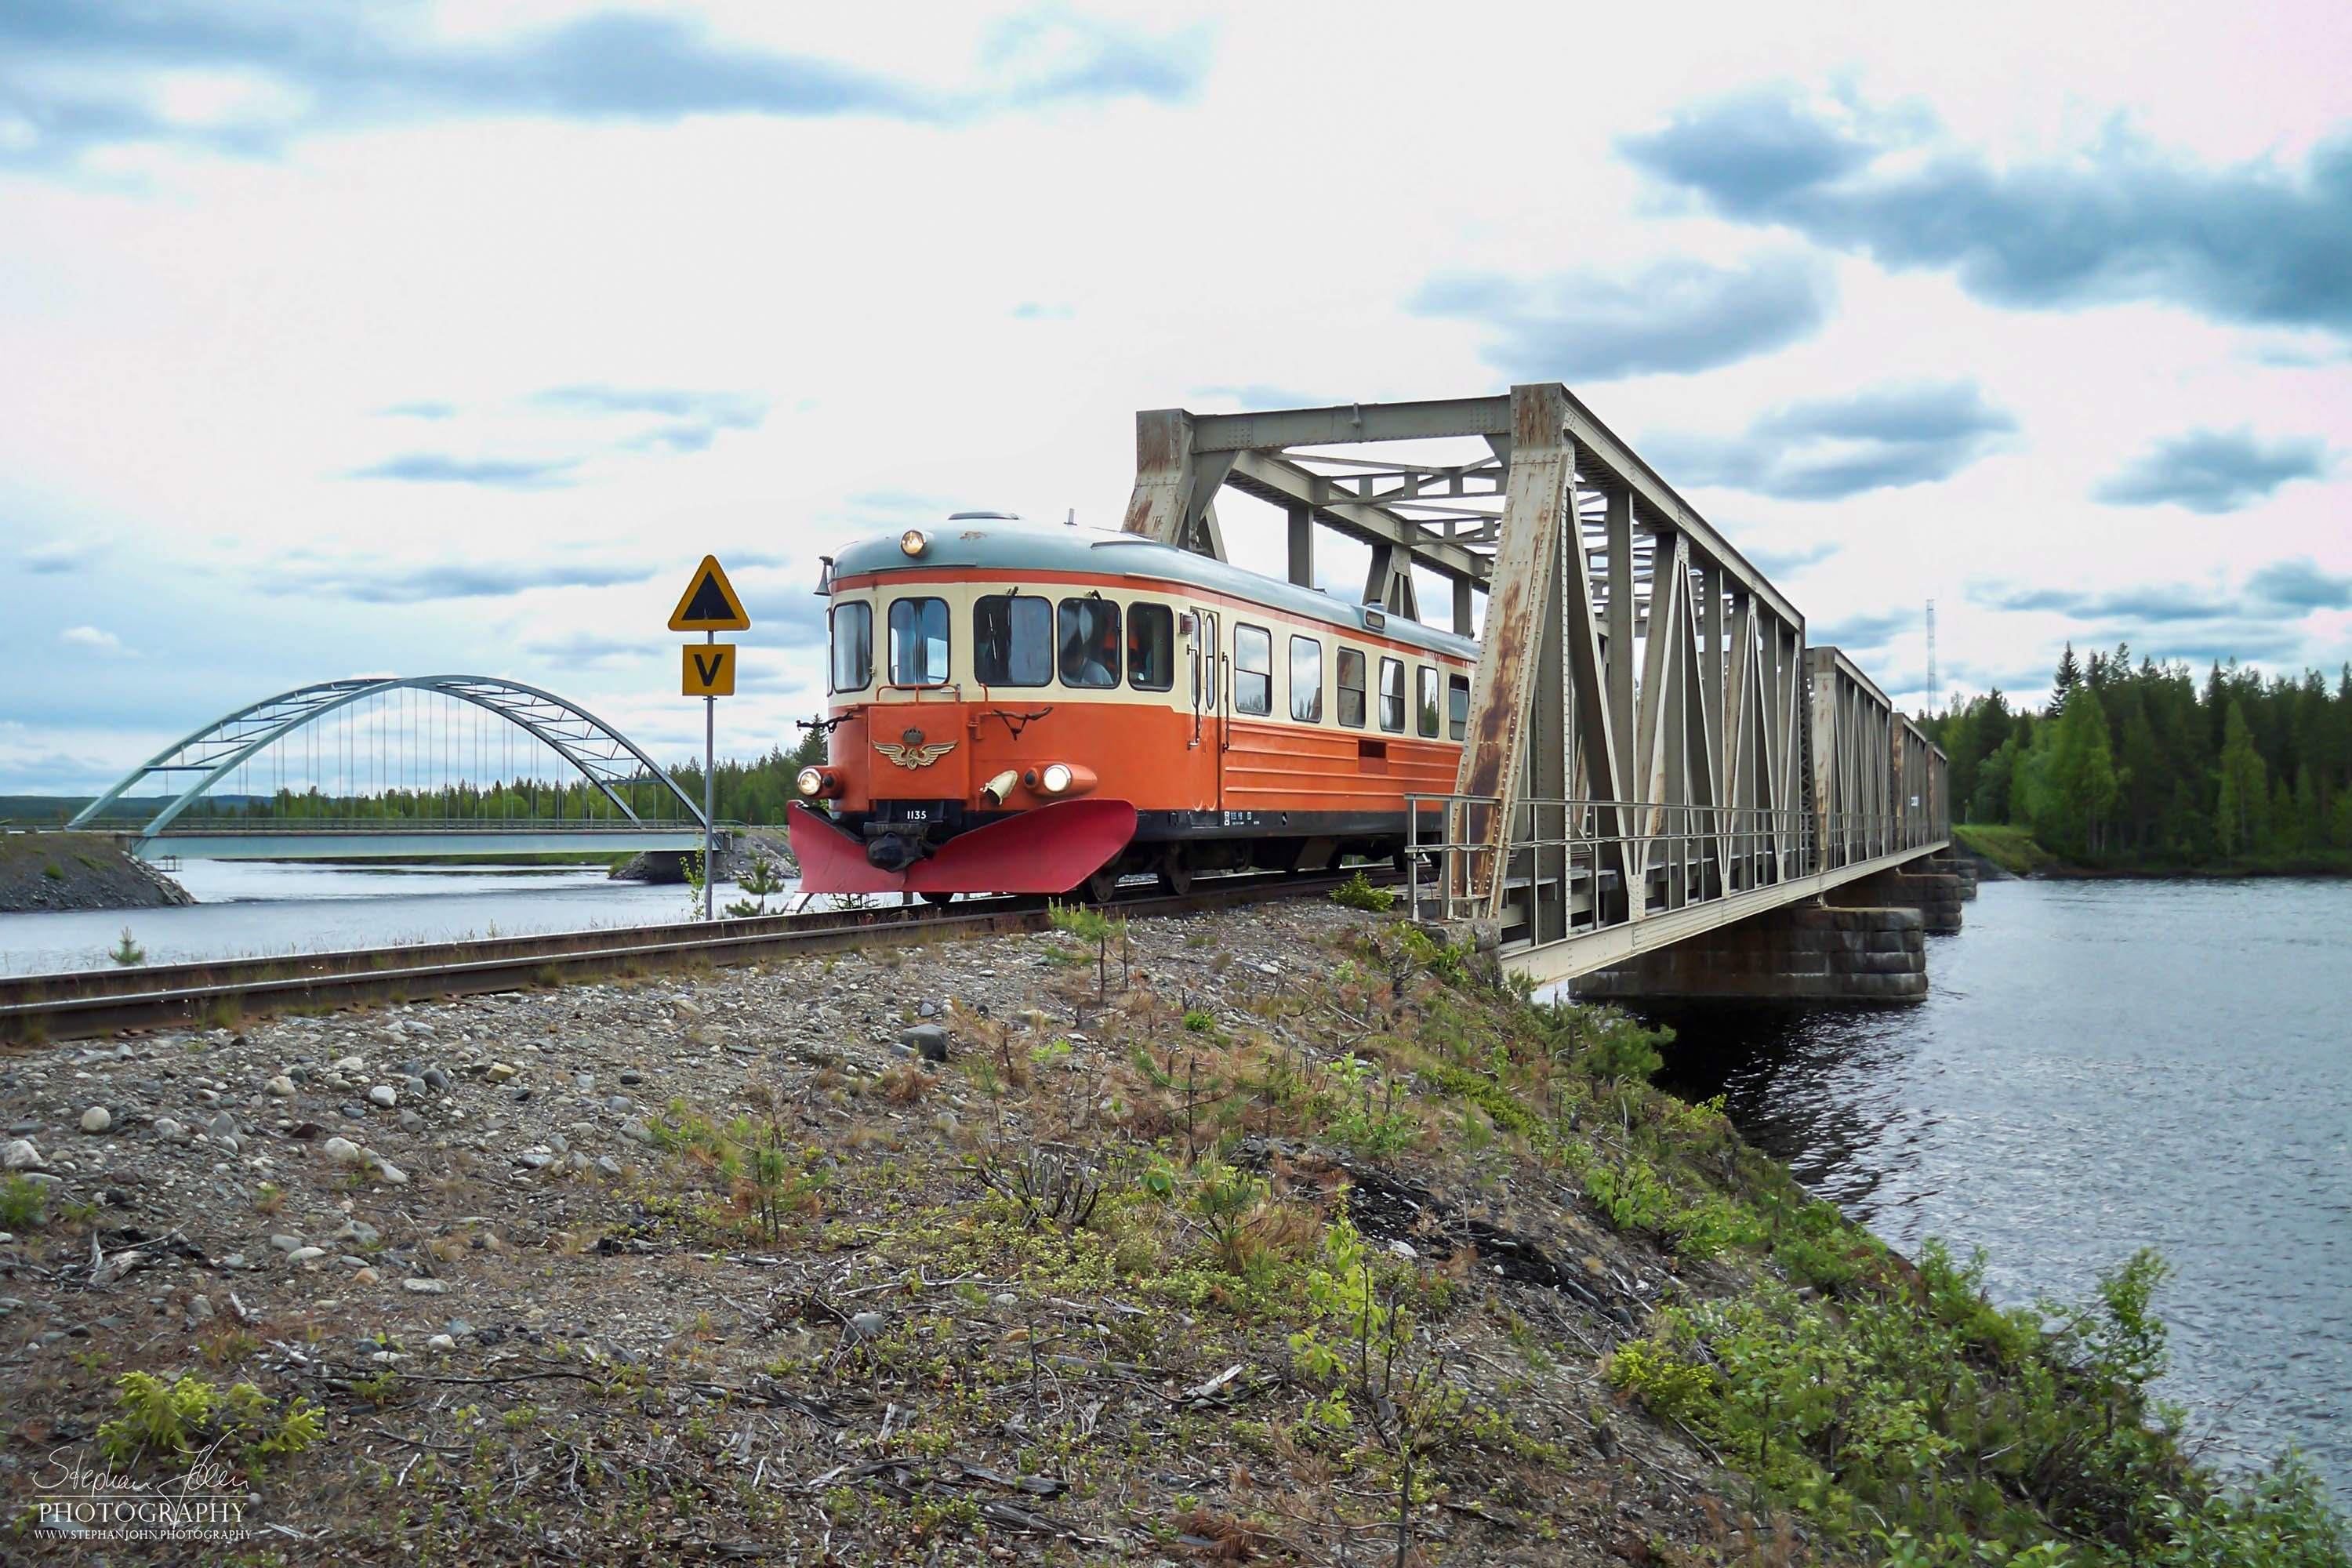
x=1018, y=709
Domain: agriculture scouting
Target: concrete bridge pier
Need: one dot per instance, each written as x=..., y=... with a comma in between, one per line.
x=1961, y=866
x=1928, y=885
x=1865, y=941
x=1804, y=952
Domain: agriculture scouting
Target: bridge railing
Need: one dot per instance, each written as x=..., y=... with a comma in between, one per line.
x=1566, y=871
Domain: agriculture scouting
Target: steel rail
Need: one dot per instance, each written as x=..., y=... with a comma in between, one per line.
x=84, y=1003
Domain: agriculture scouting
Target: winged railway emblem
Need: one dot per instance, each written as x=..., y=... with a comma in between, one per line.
x=912, y=753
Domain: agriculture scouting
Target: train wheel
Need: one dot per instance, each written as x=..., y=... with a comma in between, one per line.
x=1175, y=872
x=1103, y=885
x=938, y=900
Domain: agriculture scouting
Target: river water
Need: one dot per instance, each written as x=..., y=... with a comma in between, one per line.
x=2101, y=1067
x=257, y=909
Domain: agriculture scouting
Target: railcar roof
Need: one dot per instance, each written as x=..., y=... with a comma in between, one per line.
x=1010, y=548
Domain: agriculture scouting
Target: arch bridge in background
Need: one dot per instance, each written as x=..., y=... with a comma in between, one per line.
x=601, y=754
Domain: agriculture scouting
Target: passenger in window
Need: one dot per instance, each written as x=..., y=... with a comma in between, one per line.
x=1012, y=640
x=1089, y=643
x=1151, y=647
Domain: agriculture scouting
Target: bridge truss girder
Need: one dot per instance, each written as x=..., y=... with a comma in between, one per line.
x=602, y=754
x=1647, y=726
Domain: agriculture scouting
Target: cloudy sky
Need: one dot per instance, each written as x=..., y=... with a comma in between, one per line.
x=382, y=337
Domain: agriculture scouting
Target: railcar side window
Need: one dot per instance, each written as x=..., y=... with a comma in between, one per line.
x=1351, y=688
x=1392, y=694
x=918, y=642
x=1457, y=706
x=1306, y=680
x=1151, y=647
x=852, y=645
x=1089, y=643
x=1012, y=640
x=1253, y=670
x=1425, y=693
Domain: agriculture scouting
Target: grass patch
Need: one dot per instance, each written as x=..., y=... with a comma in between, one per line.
x=2014, y=849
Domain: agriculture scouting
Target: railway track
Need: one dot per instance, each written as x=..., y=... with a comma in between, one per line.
x=225, y=993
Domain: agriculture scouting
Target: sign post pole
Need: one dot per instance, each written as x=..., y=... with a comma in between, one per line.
x=709, y=606
x=709, y=794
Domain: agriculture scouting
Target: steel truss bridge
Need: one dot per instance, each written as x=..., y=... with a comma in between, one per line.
x=1653, y=750
x=617, y=778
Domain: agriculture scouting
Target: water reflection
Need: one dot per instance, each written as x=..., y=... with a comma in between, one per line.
x=1768, y=1063
x=262, y=909
x=2097, y=1068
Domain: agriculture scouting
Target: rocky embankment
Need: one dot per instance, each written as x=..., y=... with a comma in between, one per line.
x=79, y=871
x=762, y=847
x=1275, y=1234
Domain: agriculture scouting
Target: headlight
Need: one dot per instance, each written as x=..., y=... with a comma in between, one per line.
x=914, y=542
x=1055, y=779
x=811, y=782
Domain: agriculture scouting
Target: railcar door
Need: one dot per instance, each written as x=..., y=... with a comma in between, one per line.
x=1208, y=708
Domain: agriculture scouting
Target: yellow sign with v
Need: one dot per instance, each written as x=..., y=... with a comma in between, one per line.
x=708, y=670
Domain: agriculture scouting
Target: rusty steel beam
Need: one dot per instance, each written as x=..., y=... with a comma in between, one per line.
x=1538, y=518
x=1346, y=424
x=1649, y=731
x=1271, y=477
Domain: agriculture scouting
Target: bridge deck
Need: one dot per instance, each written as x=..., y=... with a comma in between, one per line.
x=1598, y=949
x=262, y=843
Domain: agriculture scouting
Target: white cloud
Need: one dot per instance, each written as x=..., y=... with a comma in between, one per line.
x=766, y=333
x=92, y=638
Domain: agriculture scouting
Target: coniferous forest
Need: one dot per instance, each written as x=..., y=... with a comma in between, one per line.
x=2143, y=766
x=755, y=792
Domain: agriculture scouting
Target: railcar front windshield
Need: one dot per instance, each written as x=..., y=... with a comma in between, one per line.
x=852, y=645
x=1012, y=640
x=918, y=642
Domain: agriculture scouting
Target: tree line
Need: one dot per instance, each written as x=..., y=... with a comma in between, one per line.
x=754, y=792
x=2141, y=765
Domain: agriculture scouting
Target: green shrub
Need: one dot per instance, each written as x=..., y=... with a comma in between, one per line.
x=176, y=1421
x=22, y=1206
x=1667, y=1382
x=1367, y=1119
x=1357, y=893
x=1632, y=1194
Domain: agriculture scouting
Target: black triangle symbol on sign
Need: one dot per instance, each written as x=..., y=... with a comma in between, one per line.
x=709, y=602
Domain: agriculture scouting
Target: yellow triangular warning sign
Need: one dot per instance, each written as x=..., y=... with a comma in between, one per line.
x=708, y=603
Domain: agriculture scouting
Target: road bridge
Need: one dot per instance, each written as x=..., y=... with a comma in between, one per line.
x=398, y=768
x=1653, y=752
